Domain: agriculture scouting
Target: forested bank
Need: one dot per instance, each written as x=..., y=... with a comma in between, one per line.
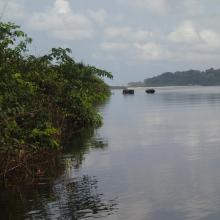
x=209, y=77
x=40, y=99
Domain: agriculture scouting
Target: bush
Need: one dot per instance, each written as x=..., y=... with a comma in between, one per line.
x=41, y=96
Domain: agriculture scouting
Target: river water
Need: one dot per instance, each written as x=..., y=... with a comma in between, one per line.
x=157, y=157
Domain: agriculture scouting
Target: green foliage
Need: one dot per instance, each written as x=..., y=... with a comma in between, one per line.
x=42, y=96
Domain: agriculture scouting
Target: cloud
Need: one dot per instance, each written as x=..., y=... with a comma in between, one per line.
x=55, y=20
x=185, y=33
x=210, y=38
x=152, y=51
x=74, y=34
x=188, y=40
x=197, y=38
x=143, y=35
x=128, y=33
x=98, y=16
x=114, y=46
x=174, y=8
x=160, y=7
x=133, y=41
x=193, y=7
x=115, y=32
x=62, y=7
x=61, y=22
x=12, y=10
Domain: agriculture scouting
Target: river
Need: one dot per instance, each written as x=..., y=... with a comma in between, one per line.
x=156, y=157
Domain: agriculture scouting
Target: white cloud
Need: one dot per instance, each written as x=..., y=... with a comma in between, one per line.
x=193, y=7
x=210, y=38
x=196, y=38
x=76, y=34
x=185, y=33
x=98, y=16
x=114, y=46
x=160, y=7
x=62, y=7
x=65, y=24
x=115, y=32
x=143, y=35
x=11, y=10
x=152, y=51
x=128, y=33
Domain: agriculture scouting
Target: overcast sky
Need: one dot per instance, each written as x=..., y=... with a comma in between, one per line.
x=134, y=39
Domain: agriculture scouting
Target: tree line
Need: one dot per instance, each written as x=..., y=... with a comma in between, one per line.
x=209, y=77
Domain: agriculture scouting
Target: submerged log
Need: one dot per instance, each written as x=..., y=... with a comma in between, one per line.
x=128, y=91
x=150, y=91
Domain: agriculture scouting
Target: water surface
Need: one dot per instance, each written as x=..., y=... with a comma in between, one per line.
x=157, y=157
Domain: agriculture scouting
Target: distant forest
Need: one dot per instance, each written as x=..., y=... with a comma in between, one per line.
x=209, y=77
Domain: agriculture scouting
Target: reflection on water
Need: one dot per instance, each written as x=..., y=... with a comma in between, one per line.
x=79, y=145
x=157, y=156
x=75, y=199
x=163, y=157
x=68, y=197
x=82, y=200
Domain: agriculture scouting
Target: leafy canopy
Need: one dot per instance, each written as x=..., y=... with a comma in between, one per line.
x=41, y=97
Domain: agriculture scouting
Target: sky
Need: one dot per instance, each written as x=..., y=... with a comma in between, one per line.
x=133, y=39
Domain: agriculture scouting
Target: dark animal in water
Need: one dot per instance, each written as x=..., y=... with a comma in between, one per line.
x=128, y=91
x=150, y=91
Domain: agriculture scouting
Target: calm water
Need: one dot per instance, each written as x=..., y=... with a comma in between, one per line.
x=157, y=157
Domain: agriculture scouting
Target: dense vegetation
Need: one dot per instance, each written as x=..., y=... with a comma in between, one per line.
x=210, y=77
x=185, y=78
x=40, y=97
